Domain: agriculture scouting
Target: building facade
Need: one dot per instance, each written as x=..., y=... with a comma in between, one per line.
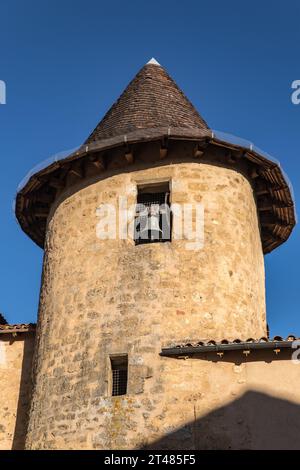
x=152, y=333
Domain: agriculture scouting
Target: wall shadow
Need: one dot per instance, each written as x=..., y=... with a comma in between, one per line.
x=22, y=416
x=253, y=421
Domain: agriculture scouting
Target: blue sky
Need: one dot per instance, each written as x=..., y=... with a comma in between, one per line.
x=65, y=62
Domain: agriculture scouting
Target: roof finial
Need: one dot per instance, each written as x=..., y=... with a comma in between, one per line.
x=153, y=62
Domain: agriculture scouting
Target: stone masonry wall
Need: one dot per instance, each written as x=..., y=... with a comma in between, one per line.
x=15, y=388
x=104, y=297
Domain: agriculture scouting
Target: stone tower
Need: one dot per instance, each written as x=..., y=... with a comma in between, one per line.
x=109, y=306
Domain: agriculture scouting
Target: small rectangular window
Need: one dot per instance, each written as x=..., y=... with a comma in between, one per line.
x=153, y=215
x=119, y=371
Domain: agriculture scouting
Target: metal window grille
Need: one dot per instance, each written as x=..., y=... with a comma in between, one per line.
x=153, y=218
x=119, y=368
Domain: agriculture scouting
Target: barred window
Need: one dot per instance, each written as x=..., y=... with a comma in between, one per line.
x=153, y=215
x=119, y=371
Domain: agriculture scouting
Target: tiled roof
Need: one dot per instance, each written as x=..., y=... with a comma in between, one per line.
x=154, y=109
x=18, y=328
x=151, y=100
x=275, y=343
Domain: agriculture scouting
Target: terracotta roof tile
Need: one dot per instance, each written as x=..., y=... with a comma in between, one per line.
x=17, y=328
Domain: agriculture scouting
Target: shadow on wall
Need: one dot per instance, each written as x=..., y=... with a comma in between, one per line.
x=253, y=421
x=24, y=395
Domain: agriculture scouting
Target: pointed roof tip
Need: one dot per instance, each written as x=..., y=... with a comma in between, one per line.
x=151, y=100
x=153, y=62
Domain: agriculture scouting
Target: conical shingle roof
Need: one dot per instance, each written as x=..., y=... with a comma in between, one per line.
x=152, y=99
x=152, y=109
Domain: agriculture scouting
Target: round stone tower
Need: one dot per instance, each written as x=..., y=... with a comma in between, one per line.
x=111, y=301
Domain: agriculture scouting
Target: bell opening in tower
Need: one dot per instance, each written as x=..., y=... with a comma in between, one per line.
x=153, y=218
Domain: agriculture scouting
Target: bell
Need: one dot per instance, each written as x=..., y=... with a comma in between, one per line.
x=152, y=221
x=152, y=224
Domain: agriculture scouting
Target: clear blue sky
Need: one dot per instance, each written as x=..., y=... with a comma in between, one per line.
x=65, y=62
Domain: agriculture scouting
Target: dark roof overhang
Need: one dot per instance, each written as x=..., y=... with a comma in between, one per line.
x=273, y=193
x=275, y=344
